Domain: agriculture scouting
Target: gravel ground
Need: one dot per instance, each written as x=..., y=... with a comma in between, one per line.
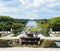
x=29, y=49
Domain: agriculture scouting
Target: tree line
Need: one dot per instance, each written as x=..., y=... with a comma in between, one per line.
x=46, y=24
x=7, y=22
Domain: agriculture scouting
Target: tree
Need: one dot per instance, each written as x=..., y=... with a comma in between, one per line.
x=54, y=21
x=6, y=23
x=43, y=26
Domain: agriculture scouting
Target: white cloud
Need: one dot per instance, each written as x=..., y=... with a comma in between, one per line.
x=36, y=2
x=27, y=8
x=39, y=4
x=2, y=4
x=25, y=3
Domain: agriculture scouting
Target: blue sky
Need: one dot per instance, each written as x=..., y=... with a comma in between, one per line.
x=30, y=9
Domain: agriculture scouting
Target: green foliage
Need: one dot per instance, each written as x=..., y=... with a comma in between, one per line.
x=48, y=44
x=46, y=24
x=6, y=18
x=55, y=23
x=6, y=23
x=3, y=43
x=34, y=29
x=43, y=26
x=54, y=20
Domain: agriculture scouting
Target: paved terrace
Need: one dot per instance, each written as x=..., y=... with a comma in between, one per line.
x=29, y=49
x=51, y=38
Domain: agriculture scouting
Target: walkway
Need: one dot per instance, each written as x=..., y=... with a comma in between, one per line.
x=51, y=38
x=29, y=49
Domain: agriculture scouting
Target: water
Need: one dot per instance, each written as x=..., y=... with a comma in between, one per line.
x=31, y=24
x=57, y=43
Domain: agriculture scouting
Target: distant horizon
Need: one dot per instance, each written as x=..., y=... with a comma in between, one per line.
x=30, y=18
x=36, y=18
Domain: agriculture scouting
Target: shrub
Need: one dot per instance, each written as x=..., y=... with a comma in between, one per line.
x=3, y=43
x=48, y=44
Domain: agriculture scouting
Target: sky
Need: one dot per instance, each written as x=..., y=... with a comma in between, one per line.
x=30, y=9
